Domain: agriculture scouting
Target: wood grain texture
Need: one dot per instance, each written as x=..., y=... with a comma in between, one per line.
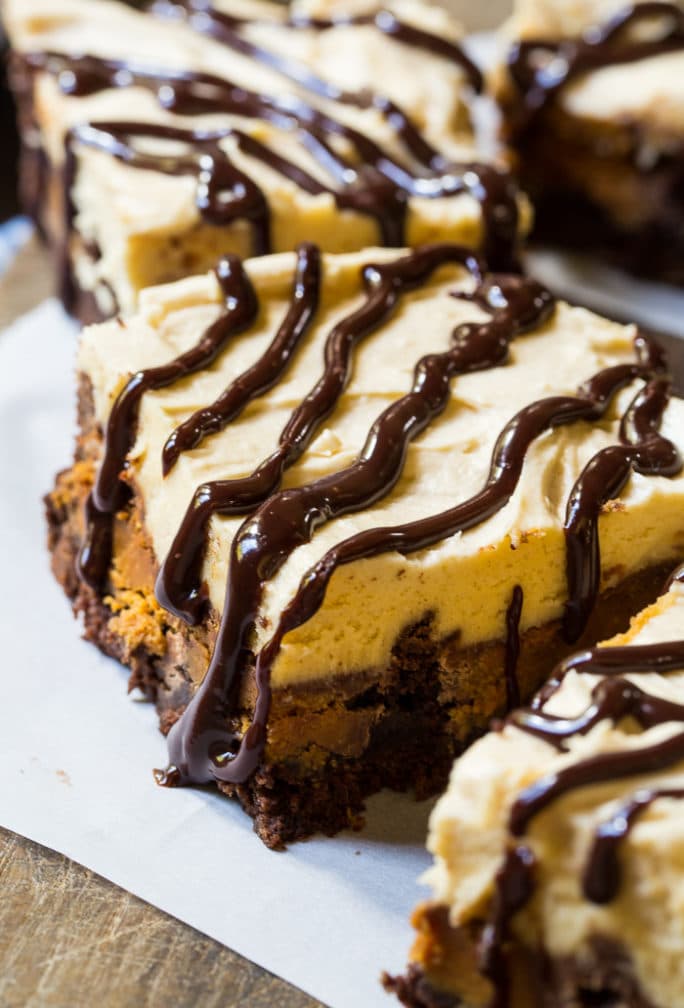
x=70, y=939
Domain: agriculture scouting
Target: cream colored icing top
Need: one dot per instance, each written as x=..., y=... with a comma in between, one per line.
x=468, y=828
x=649, y=91
x=466, y=581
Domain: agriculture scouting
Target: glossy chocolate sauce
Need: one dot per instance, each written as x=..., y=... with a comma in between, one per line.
x=207, y=19
x=513, y=887
x=602, y=875
x=608, y=766
x=541, y=68
x=611, y=700
x=512, y=650
x=388, y=23
x=643, y=450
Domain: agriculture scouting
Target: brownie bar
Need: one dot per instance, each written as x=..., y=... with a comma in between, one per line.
x=331, y=745
x=599, y=134
x=361, y=616
x=155, y=142
x=565, y=888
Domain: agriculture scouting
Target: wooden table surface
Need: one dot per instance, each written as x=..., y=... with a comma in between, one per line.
x=68, y=938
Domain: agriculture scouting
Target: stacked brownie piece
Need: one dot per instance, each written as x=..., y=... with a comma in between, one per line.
x=155, y=142
x=593, y=99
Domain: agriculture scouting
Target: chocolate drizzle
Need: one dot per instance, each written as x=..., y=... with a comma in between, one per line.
x=611, y=700
x=207, y=19
x=602, y=875
x=372, y=182
x=608, y=766
x=643, y=450
x=513, y=614
x=541, y=68
x=513, y=887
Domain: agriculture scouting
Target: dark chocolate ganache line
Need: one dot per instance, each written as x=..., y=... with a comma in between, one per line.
x=179, y=582
x=512, y=650
x=200, y=746
x=263, y=375
x=204, y=17
x=643, y=450
x=541, y=68
x=110, y=492
x=513, y=887
x=602, y=874
x=599, y=769
x=611, y=700
x=389, y=24
x=677, y=576
x=610, y=661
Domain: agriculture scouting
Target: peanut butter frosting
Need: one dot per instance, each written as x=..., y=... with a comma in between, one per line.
x=607, y=845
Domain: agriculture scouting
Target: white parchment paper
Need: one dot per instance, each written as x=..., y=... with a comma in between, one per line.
x=76, y=753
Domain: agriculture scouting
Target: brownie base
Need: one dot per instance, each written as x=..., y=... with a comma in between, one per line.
x=330, y=743
x=601, y=975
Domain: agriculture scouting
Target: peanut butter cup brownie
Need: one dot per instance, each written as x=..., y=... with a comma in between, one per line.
x=320, y=504
x=593, y=96
x=155, y=142
x=559, y=843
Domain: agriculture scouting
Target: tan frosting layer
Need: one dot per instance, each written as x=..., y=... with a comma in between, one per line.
x=468, y=828
x=650, y=91
x=466, y=582
x=133, y=214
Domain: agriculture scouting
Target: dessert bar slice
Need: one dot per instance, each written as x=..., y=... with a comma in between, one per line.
x=560, y=841
x=363, y=484
x=593, y=97
x=155, y=142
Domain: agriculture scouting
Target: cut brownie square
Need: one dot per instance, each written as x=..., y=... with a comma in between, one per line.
x=155, y=142
x=593, y=99
x=363, y=485
x=560, y=841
